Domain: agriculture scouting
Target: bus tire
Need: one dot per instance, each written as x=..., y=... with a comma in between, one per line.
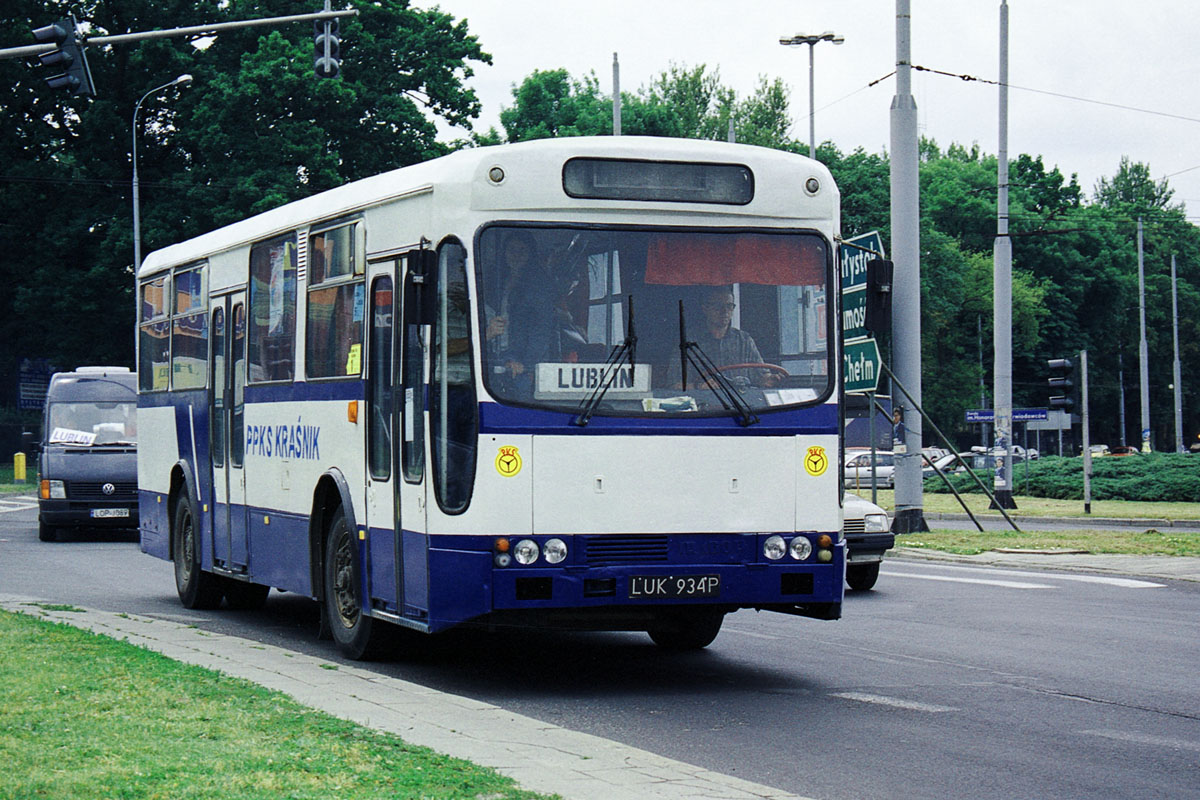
x=862, y=577
x=243, y=596
x=687, y=630
x=197, y=589
x=355, y=634
x=47, y=533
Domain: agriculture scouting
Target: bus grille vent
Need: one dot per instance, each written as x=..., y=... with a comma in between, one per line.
x=613, y=550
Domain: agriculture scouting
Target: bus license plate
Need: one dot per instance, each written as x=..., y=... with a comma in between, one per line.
x=674, y=586
x=109, y=513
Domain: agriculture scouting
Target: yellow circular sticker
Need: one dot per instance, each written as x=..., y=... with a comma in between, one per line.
x=815, y=461
x=508, y=462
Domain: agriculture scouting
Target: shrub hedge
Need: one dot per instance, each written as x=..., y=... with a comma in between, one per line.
x=1171, y=477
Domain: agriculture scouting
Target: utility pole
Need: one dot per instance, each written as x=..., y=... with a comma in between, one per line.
x=1143, y=348
x=1002, y=294
x=1175, y=372
x=1087, y=439
x=616, y=96
x=906, y=295
x=1121, y=406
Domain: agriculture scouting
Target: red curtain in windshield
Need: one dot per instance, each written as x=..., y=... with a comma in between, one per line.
x=721, y=259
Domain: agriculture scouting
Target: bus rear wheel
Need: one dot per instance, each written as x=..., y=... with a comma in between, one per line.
x=197, y=589
x=355, y=633
x=687, y=630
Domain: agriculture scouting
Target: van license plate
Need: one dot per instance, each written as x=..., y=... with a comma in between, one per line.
x=674, y=586
x=109, y=513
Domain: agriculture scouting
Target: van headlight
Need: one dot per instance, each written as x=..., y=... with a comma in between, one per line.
x=53, y=490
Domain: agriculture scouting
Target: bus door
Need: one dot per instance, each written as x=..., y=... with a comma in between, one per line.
x=227, y=444
x=383, y=512
x=411, y=487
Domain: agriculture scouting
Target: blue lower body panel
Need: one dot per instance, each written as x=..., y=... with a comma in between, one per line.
x=621, y=582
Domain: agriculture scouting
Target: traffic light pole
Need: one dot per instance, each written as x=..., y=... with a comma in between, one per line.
x=194, y=30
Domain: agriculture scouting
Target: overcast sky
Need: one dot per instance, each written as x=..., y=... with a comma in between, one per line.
x=1127, y=58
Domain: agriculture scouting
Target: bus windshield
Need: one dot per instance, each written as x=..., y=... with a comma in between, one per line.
x=698, y=321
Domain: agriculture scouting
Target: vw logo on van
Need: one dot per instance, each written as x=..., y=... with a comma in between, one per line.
x=108, y=488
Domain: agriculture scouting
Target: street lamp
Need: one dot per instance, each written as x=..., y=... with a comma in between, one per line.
x=137, y=220
x=811, y=40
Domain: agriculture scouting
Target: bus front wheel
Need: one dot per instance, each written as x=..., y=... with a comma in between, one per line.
x=355, y=633
x=687, y=630
x=197, y=588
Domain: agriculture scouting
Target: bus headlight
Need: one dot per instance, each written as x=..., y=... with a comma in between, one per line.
x=774, y=548
x=800, y=548
x=526, y=551
x=555, y=551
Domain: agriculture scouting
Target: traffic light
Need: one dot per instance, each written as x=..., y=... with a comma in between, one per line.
x=878, y=318
x=326, y=51
x=68, y=56
x=1060, y=383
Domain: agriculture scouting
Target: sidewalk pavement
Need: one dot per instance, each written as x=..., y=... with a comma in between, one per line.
x=540, y=756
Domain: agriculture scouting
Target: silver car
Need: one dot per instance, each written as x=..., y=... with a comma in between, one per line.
x=858, y=472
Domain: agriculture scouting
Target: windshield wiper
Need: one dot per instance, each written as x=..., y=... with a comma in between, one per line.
x=626, y=350
x=721, y=386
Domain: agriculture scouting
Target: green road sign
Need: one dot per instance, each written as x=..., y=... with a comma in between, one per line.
x=860, y=365
x=852, y=263
x=853, y=260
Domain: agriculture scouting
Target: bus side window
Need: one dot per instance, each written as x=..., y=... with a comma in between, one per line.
x=379, y=421
x=454, y=409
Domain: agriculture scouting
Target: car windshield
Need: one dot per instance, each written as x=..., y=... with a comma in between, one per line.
x=692, y=321
x=83, y=424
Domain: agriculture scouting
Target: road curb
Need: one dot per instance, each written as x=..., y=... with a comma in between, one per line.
x=540, y=756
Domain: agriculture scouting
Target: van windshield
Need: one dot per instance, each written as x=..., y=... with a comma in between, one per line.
x=82, y=424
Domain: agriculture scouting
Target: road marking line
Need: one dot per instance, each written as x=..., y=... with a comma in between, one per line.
x=17, y=504
x=751, y=634
x=980, y=581
x=1147, y=739
x=1127, y=583
x=894, y=702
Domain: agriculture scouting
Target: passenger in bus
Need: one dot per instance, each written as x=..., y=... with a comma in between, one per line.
x=513, y=333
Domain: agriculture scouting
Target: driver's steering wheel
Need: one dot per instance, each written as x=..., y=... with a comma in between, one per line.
x=755, y=365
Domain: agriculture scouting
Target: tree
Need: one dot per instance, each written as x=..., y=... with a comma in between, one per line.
x=255, y=129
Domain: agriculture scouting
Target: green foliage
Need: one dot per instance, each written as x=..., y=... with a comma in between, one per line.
x=255, y=129
x=1154, y=477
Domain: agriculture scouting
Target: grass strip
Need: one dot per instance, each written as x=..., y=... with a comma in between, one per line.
x=1048, y=507
x=1133, y=542
x=86, y=716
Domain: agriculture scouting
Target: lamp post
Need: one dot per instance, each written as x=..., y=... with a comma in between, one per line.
x=811, y=40
x=137, y=219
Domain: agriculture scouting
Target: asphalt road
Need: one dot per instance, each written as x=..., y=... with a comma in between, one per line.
x=946, y=681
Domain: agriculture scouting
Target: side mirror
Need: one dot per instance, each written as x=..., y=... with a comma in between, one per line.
x=29, y=444
x=422, y=285
x=879, y=296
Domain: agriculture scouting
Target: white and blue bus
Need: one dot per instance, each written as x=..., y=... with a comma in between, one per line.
x=586, y=382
